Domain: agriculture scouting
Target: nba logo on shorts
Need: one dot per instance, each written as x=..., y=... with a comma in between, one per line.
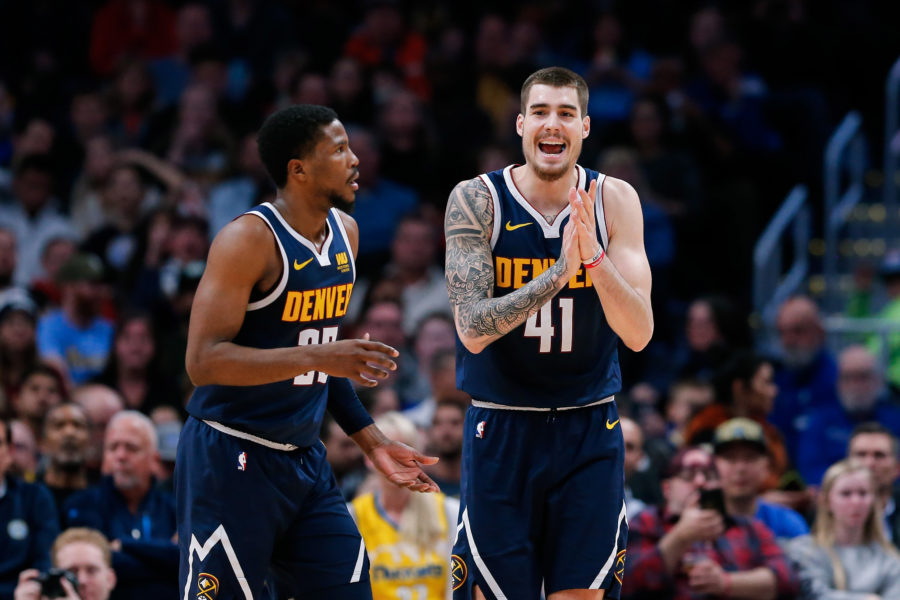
x=479, y=430
x=242, y=461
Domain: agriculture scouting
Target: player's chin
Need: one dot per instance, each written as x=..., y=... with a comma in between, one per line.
x=345, y=202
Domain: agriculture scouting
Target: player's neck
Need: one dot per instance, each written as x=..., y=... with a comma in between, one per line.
x=548, y=197
x=305, y=217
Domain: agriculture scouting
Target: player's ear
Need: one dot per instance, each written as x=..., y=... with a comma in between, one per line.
x=295, y=168
x=520, y=124
x=586, y=122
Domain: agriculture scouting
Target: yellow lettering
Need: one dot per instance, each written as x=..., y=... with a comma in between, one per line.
x=575, y=283
x=319, y=308
x=587, y=279
x=291, y=307
x=503, y=272
x=538, y=266
x=330, y=295
x=306, y=313
x=342, y=296
x=520, y=271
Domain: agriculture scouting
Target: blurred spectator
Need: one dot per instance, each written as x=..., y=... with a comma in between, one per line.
x=130, y=29
x=18, y=350
x=877, y=448
x=742, y=461
x=807, y=376
x=442, y=381
x=34, y=216
x=861, y=307
x=344, y=456
x=383, y=40
x=351, y=95
x=64, y=447
x=744, y=388
x=408, y=536
x=682, y=551
x=86, y=554
x=55, y=254
x=167, y=433
x=711, y=333
x=131, y=103
x=76, y=337
x=8, y=257
x=128, y=508
x=445, y=439
x=87, y=205
x=383, y=321
x=847, y=555
x=407, y=146
x=687, y=397
x=100, y=403
x=24, y=451
x=311, y=88
x=42, y=389
x=380, y=203
x=171, y=74
x=434, y=333
x=641, y=479
x=253, y=32
x=132, y=369
x=862, y=395
x=248, y=186
x=28, y=521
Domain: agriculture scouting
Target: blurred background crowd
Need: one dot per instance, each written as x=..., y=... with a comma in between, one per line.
x=127, y=140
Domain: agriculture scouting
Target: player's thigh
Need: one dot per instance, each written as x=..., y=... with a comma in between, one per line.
x=322, y=554
x=228, y=518
x=586, y=529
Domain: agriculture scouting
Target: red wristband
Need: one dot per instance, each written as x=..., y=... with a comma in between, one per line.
x=596, y=261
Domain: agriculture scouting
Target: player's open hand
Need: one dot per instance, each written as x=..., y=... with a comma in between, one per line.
x=584, y=219
x=402, y=466
x=361, y=360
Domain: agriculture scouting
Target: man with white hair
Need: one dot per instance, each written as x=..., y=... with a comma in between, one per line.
x=863, y=397
x=130, y=510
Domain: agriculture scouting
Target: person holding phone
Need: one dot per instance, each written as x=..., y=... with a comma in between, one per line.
x=688, y=547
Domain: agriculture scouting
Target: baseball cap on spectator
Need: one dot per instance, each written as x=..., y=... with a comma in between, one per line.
x=17, y=299
x=167, y=435
x=739, y=431
x=80, y=267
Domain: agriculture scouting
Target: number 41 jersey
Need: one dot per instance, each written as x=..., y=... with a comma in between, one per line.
x=563, y=355
x=305, y=307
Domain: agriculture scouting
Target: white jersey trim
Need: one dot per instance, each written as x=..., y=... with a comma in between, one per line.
x=612, y=556
x=357, y=570
x=551, y=231
x=250, y=437
x=498, y=217
x=599, y=213
x=340, y=224
x=321, y=257
x=483, y=404
x=274, y=294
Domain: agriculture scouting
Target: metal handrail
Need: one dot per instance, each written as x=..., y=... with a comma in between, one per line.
x=846, y=148
x=870, y=326
x=768, y=291
x=891, y=138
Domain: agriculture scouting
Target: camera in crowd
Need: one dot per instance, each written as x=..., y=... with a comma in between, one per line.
x=51, y=582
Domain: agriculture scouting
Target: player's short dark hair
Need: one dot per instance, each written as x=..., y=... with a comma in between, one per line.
x=875, y=428
x=291, y=133
x=557, y=77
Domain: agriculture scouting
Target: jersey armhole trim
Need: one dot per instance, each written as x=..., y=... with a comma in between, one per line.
x=495, y=199
x=340, y=225
x=600, y=213
x=274, y=294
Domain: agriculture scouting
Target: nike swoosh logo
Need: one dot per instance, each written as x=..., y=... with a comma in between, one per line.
x=511, y=227
x=611, y=425
x=298, y=266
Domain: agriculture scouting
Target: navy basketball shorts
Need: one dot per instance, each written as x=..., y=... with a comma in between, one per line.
x=250, y=515
x=542, y=503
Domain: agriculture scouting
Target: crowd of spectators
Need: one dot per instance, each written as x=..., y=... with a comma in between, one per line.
x=127, y=140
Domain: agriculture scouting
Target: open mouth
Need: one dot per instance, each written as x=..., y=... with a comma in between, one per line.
x=552, y=147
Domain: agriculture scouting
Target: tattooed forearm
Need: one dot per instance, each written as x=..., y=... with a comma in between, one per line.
x=470, y=270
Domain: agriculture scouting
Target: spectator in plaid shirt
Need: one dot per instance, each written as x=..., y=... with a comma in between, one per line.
x=682, y=552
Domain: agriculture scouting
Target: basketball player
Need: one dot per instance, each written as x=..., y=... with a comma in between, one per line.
x=255, y=494
x=546, y=271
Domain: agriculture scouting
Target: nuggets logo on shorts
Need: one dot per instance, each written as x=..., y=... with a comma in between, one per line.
x=620, y=566
x=208, y=586
x=458, y=571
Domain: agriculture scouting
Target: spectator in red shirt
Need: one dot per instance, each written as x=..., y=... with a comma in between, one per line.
x=681, y=551
x=131, y=28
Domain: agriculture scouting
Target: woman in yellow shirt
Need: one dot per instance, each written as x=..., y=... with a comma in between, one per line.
x=408, y=535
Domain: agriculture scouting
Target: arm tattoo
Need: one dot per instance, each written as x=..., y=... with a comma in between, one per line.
x=470, y=269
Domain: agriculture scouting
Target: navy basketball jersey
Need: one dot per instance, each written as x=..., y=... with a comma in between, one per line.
x=564, y=354
x=305, y=307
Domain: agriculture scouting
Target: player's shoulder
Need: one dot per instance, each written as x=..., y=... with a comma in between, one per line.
x=247, y=229
x=472, y=188
x=618, y=190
